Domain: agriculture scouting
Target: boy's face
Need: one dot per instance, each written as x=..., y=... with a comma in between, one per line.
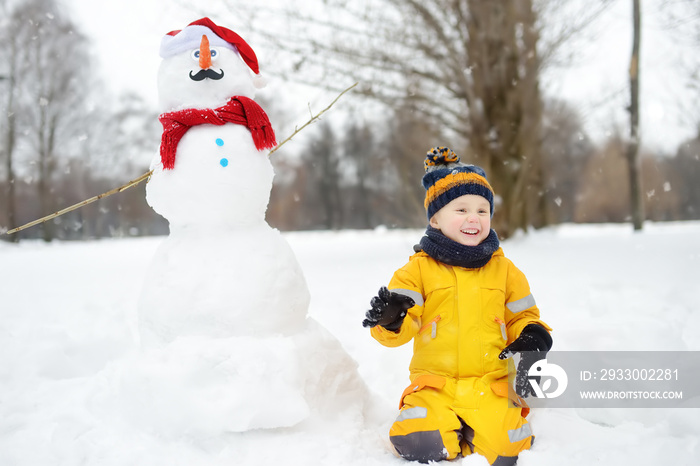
x=466, y=220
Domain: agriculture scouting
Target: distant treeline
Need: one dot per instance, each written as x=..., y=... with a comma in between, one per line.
x=354, y=178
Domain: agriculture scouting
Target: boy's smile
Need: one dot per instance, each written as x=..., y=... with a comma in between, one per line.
x=466, y=219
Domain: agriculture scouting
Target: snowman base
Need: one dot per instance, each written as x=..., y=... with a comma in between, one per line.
x=202, y=387
x=207, y=282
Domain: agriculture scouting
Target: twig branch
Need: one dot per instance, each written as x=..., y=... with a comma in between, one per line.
x=145, y=176
x=81, y=204
x=313, y=118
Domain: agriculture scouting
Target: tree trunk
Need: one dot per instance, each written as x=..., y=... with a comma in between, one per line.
x=9, y=152
x=46, y=164
x=10, y=134
x=506, y=114
x=11, y=207
x=636, y=204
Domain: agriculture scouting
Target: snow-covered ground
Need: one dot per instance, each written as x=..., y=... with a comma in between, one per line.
x=68, y=316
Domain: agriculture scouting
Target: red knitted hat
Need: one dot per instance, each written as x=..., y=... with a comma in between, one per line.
x=188, y=38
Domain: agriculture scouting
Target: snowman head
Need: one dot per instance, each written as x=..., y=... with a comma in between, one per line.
x=203, y=66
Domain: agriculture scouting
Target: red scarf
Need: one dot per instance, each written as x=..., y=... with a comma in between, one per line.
x=240, y=110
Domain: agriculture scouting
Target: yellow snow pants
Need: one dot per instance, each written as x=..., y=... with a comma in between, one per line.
x=442, y=418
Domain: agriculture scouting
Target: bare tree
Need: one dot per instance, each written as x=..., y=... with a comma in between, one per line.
x=566, y=150
x=60, y=141
x=409, y=137
x=322, y=160
x=51, y=83
x=633, y=159
x=359, y=149
x=687, y=165
x=8, y=77
x=604, y=197
x=660, y=178
x=469, y=67
x=507, y=111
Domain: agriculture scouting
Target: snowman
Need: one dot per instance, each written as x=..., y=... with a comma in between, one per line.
x=223, y=271
x=227, y=345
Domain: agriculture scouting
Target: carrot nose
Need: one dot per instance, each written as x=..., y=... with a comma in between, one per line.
x=204, y=54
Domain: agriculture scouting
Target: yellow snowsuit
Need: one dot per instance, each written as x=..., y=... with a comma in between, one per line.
x=462, y=319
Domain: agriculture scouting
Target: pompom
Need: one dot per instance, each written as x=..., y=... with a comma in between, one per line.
x=259, y=81
x=440, y=156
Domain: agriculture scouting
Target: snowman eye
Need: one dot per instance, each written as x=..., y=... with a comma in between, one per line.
x=214, y=54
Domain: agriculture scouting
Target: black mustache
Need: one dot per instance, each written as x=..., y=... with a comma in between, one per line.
x=203, y=74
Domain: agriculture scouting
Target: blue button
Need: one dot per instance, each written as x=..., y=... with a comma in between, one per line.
x=219, y=142
x=224, y=162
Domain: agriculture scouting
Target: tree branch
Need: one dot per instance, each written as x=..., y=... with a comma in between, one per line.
x=81, y=204
x=313, y=118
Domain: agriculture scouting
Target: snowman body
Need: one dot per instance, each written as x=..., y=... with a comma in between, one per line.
x=222, y=271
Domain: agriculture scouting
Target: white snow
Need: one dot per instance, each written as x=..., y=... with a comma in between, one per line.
x=69, y=315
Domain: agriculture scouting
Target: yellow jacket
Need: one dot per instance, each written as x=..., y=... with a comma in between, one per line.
x=463, y=318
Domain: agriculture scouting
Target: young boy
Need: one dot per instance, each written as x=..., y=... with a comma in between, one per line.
x=468, y=309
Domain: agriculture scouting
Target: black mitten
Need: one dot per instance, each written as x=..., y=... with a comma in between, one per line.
x=388, y=310
x=533, y=344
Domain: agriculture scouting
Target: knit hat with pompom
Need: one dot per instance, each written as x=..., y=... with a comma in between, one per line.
x=446, y=179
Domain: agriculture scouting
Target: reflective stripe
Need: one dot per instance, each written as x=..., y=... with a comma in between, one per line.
x=413, y=413
x=505, y=461
x=420, y=446
x=521, y=304
x=433, y=325
x=414, y=295
x=517, y=435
